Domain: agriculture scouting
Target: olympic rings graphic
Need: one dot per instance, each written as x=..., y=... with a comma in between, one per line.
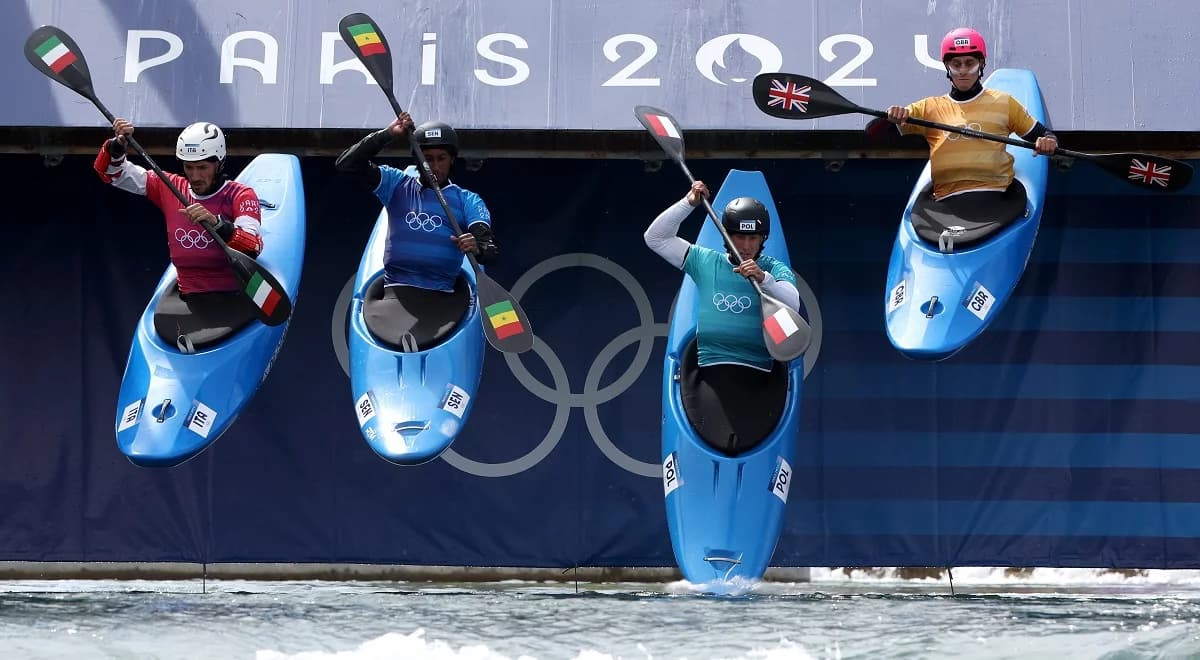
x=193, y=238
x=423, y=220
x=560, y=394
x=973, y=126
x=728, y=302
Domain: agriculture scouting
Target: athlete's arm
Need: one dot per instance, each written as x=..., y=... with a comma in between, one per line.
x=114, y=169
x=244, y=234
x=1038, y=130
x=781, y=290
x=1024, y=124
x=478, y=221
x=1044, y=140
x=662, y=234
x=486, y=250
x=356, y=161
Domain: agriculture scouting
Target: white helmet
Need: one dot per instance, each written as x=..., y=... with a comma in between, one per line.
x=200, y=141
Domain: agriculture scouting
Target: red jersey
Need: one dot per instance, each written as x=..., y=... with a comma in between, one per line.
x=201, y=264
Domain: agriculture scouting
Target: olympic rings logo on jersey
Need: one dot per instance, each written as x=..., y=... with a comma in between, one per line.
x=727, y=302
x=971, y=126
x=193, y=239
x=423, y=221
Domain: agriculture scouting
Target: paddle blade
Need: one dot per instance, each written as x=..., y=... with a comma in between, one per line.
x=55, y=53
x=363, y=36
x=792, y=96
x=1147, y=171
x=269, y=297
x=785, y=332
x=504, y=322
x=664, y=128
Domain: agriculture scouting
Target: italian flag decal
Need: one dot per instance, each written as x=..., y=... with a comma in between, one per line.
x=780, y=326
x=367, y=39
x=55, y=54
x=504, y=319
x=262, y=294
x=662, y=126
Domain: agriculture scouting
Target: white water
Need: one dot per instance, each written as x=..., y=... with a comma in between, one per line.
x=1055, y=613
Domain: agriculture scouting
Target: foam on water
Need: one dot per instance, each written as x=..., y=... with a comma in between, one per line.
x=1014, y=577
x=867, y=613
x=415, y=646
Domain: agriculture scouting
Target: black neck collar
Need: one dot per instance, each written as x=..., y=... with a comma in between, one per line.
x=975, y=90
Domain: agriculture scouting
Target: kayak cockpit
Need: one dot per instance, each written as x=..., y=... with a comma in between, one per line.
x=735, y=408
x=411, y=319
x=201, y=321
x=962, y=221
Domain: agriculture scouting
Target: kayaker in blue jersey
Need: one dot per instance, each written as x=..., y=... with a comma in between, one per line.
x=735, y=370
x=422, y=294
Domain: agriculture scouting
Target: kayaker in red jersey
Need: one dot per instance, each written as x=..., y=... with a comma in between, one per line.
x=208, y=305
x=229, y=207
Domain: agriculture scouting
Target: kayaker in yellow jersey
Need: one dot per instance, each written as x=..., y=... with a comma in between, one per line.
x=960, y=164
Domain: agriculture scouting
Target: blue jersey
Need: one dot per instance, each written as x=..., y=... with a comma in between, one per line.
x=419, y=251
x=729, y=314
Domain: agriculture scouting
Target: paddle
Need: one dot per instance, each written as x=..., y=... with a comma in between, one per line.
x=792, y=96
x=54, y=53
x=785, y=332
x=505, y=325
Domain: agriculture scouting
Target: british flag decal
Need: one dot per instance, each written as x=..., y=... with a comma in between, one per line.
x=788, y=95
x=1149, y=173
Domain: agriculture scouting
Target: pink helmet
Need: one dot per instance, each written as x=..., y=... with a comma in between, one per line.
x=963, y=41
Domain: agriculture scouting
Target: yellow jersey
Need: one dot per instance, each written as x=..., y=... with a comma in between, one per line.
x=962, y=163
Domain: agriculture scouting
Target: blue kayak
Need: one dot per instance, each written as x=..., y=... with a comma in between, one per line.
x=176, y=400
x=724, y=512
x=943, y=289
x=412, y=395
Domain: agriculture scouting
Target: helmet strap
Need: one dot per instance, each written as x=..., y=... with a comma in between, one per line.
x=733, y=258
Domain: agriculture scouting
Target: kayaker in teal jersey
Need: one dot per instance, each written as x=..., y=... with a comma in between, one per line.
x=735, y=366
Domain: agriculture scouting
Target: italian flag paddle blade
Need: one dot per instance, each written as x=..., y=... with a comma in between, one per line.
x=262, y=294
x=55, y=54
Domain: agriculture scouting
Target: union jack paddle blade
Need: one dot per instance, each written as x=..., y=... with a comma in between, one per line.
x=1145, y=171
x=1155, y=172
x=792, y=96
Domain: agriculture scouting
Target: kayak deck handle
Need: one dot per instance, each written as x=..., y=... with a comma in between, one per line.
x=164, y=411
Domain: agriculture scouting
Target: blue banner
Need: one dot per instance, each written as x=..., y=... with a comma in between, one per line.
x=1065, y=436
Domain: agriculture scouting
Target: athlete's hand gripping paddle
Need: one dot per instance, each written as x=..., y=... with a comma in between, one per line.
x=786, y=333
x=792, y=96
x=54, y=53
x=505, y=325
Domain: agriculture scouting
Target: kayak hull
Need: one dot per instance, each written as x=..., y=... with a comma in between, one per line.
x=935, y=302
x=172, y=405
x=410, y=406
x=724, y=513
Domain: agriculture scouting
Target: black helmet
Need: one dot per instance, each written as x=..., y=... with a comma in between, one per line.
x=746, y=215
x=437, y=134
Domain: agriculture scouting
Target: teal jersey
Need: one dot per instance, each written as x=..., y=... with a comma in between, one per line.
x=729, y=317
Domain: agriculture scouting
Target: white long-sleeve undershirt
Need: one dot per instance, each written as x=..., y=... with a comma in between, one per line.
x=662, y=236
